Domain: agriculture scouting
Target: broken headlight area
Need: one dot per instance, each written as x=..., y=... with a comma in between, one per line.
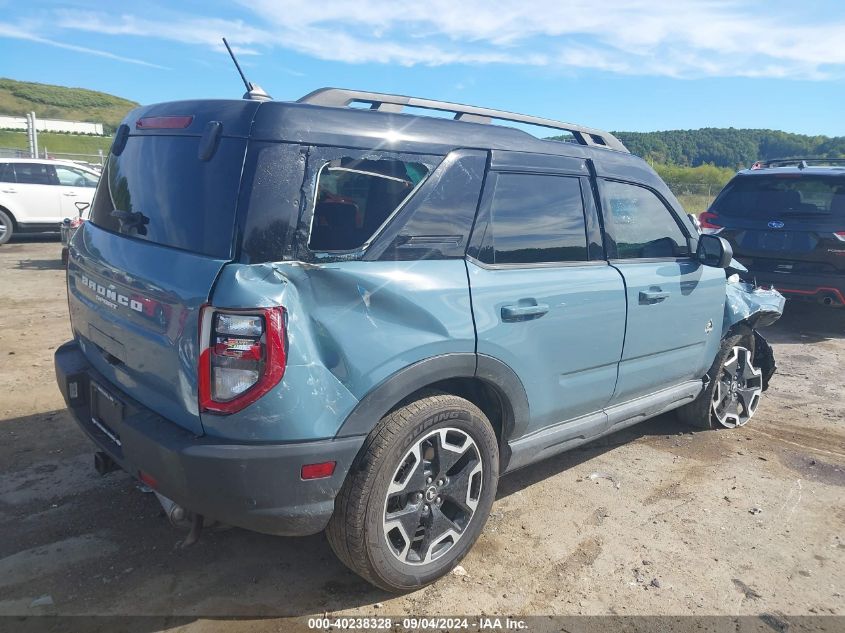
x=747, y=308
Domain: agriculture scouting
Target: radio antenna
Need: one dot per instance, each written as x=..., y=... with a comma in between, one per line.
x=254, y=92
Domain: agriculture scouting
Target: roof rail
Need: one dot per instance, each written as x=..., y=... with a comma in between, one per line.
x=341, y=97
x=800, y=163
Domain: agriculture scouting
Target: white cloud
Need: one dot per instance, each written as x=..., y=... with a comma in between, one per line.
x=24, y=32
x=695, y=38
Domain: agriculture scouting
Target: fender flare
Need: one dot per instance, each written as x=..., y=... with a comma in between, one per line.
x=5, y=209
x=381, y=399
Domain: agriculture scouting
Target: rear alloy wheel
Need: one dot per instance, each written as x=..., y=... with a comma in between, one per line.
x=418, y=494
x=737, y=389
x=433, y=496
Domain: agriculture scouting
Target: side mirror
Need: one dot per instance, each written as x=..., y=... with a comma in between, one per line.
x=714, y=251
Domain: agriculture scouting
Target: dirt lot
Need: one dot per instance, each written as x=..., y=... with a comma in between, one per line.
x=729, y=522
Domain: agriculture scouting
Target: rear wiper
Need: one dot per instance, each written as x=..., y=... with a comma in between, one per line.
x=131, y=220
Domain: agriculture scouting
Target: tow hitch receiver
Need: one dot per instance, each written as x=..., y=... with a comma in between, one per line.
x=104, y=464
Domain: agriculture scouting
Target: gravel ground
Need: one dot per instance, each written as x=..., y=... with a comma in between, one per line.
x=721, y=522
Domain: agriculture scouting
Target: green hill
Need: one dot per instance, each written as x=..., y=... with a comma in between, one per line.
x=58, y=102
x=728, y=147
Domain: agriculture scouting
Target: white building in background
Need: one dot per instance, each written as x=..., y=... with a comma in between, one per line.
x=51, y=125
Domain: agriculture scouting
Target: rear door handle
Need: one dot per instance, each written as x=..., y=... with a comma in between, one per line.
x=524, y=312
x=70, y=194
x=653, y=296
x=10, y=190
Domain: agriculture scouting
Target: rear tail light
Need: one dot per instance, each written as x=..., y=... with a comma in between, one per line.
x=840, y=235
x=710, y=222
x=164, y=122
x=242, y=356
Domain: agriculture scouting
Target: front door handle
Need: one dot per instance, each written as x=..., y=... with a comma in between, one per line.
x=655, y=295
x=524, y=311
x=69, y=194
x=10, y=190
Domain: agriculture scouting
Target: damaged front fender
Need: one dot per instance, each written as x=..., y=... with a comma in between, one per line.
x=748, y=305
x=748, y=308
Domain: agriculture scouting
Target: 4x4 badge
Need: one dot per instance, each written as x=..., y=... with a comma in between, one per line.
x=776, y=224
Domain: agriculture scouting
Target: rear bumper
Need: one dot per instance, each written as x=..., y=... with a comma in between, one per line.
x=254, y=486
x=827, y=289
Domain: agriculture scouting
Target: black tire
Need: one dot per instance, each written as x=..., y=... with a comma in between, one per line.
x=358, y=530
x=7, y=227
x=699, y=413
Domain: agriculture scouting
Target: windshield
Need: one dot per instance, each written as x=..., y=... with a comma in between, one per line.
x=159, y=190
x=784, y=194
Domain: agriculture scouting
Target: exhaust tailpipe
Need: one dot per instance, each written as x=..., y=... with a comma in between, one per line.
x=104, y=464
x=176, y=514
x=180, y=517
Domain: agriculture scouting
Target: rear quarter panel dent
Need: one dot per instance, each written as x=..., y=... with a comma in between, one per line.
x=350, y=326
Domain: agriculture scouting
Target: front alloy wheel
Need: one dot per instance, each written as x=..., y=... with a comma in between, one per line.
x=433, y=496
x=736, y=393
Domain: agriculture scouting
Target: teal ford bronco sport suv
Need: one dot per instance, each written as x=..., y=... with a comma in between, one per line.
x=304, y=316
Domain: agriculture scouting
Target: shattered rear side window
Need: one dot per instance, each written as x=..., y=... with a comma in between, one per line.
x=356, y=196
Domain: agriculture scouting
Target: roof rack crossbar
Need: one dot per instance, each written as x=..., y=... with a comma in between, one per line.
x=340, y=98
x=799, y=162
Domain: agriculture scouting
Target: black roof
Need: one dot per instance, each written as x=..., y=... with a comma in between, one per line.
x=379, y=129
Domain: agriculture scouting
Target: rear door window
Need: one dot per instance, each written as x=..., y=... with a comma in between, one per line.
x=159, y=190
x=535, y=219
x=355, y=197
x=764, y=197
x=35, y=174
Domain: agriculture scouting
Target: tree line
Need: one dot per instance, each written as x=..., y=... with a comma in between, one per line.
x=728, y=147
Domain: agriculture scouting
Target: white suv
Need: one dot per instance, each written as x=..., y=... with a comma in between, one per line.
x=36, y=195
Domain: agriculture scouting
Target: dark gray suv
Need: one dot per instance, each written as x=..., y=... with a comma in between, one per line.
x=786, y=222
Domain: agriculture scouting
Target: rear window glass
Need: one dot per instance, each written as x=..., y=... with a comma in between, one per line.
x=792, y=194
x=158, y=190
x=356, y=196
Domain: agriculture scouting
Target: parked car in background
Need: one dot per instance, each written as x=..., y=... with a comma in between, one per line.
x=786, y=222
x=293, y=317
x=36, y=195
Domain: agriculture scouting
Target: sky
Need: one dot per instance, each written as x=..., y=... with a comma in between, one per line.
x=633, y=65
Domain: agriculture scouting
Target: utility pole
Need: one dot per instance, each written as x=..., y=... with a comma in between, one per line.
x=29, y=128
x=33, y=143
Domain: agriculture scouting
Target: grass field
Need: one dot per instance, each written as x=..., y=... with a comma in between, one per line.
x=694, y=203
x=79, y=145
